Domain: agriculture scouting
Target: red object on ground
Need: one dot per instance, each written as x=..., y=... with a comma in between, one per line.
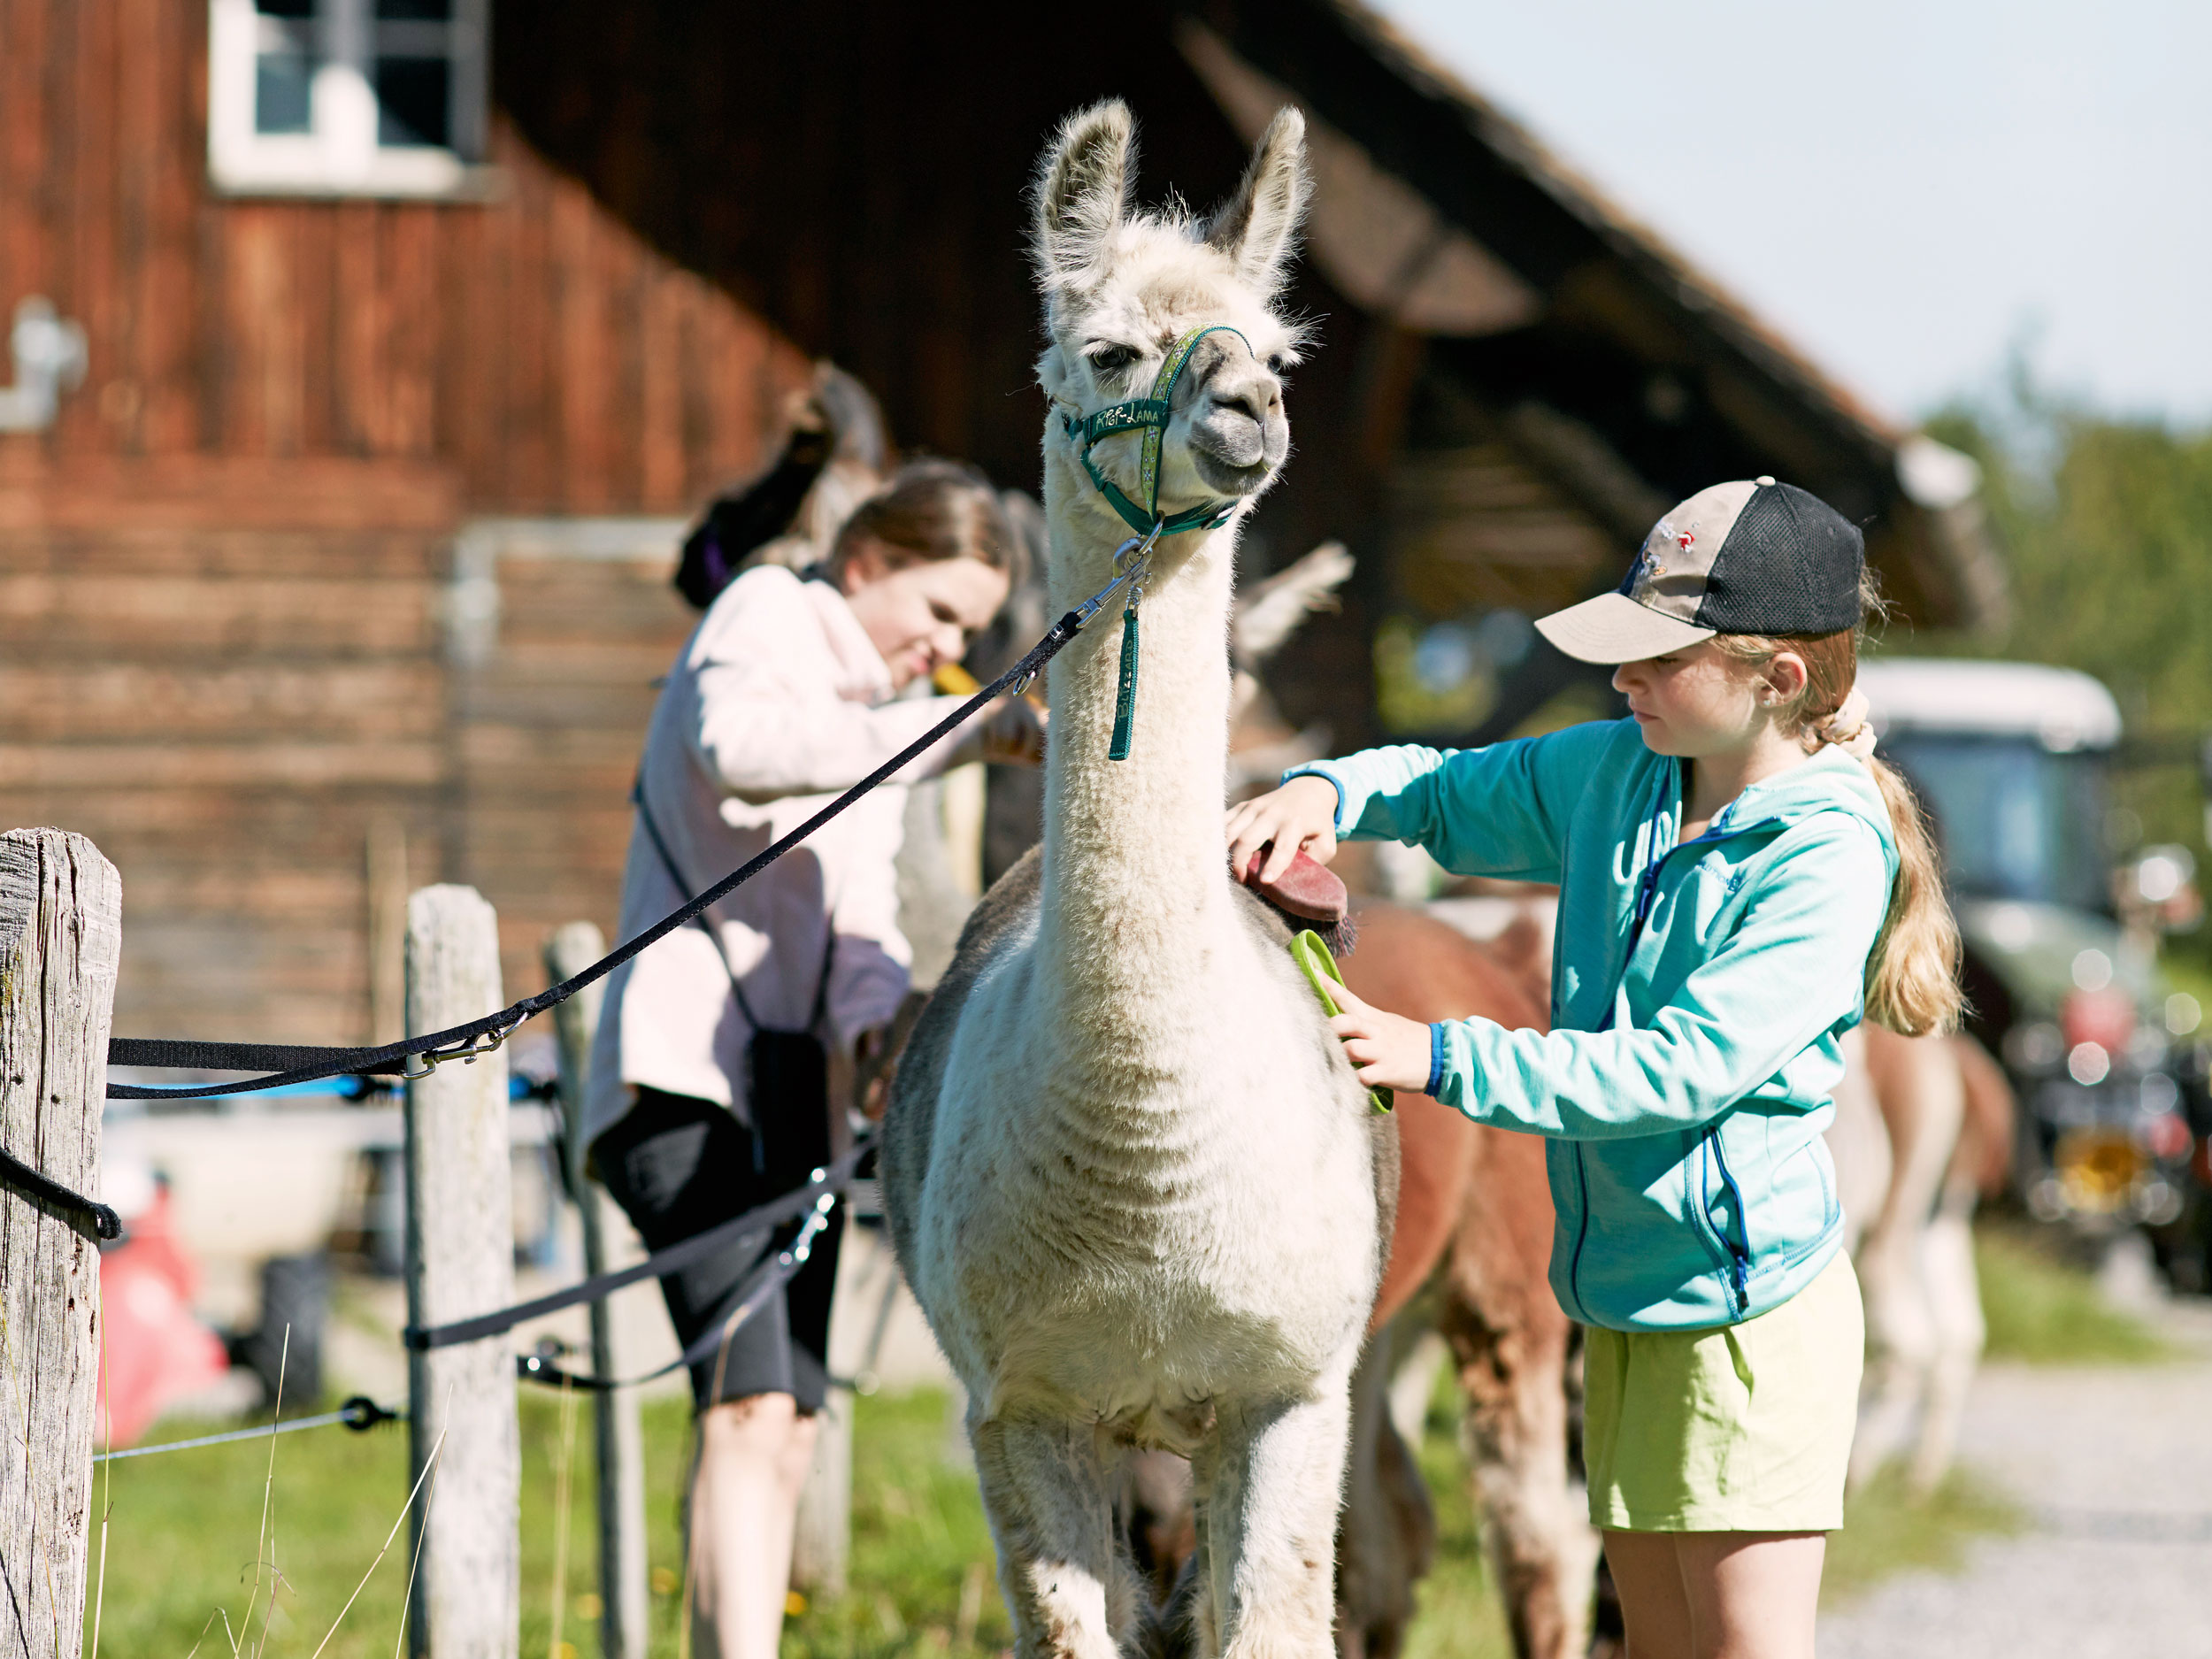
x=1307, y=889
x=156, y=1349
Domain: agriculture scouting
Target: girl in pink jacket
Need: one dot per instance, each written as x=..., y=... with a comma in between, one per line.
x=710, y=1077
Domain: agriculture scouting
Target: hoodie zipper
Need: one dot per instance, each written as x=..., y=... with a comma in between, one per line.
x=1647, y=895
x=1647, y=887
x=1582, y=1232
x=1738, y=1260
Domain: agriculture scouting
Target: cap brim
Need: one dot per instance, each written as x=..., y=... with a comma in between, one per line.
x=1613, y=628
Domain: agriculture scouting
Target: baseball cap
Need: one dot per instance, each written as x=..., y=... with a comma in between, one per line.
x=1751, y=557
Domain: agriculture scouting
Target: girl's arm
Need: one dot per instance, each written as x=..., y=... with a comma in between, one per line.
x=868, y=973
x=765, y=723
x=762, y=747
x=1497, y=811
x=1793, y=968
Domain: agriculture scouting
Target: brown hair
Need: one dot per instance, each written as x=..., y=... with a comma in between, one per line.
x=1912, y=972
x=932, y=510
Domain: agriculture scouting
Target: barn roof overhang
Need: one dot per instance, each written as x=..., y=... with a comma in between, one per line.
x=1560, y=310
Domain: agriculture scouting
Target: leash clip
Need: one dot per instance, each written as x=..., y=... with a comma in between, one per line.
x=1138, y=550
x=468, y=1053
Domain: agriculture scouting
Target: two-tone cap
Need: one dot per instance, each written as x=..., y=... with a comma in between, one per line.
x=1752, y=556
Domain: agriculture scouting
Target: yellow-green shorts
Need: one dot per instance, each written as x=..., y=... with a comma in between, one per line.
x=1736, y=1428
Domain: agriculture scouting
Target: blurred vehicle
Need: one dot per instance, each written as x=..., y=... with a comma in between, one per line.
x=2013, y=761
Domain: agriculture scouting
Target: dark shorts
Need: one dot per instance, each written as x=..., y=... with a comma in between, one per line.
x=678, y=1166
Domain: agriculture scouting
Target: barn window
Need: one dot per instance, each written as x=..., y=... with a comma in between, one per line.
x=347, y=97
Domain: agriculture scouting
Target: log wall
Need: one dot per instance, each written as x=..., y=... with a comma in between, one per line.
x=223, y=571
x=548, y=729
x=532, y=343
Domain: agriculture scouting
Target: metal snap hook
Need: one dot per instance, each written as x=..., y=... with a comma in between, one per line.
x=468, y=1053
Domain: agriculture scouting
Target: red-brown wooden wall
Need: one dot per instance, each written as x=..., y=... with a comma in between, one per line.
x=221, y=573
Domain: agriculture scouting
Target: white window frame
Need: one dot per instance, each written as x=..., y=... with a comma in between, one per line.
x=339, y=155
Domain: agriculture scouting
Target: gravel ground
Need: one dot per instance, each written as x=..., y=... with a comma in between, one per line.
x=2113, y=1468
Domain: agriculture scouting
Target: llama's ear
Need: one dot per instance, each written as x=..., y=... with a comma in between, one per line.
x=1082, y=191
x=1255, y=227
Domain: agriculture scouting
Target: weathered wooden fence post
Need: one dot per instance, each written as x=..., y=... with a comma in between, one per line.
x=61, y=931
x=821, y=1545
x=460, y=1262
x=622, y=1584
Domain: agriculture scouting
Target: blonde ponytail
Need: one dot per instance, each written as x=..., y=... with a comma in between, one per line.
x=1912, y=985
x=1912, y=973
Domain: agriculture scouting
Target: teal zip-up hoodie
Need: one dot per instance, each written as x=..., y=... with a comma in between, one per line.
x=1698, y=994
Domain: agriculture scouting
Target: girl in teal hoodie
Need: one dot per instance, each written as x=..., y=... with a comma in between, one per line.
x=1741, y=882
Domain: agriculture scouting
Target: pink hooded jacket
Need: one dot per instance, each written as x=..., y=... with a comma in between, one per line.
x=778, y=704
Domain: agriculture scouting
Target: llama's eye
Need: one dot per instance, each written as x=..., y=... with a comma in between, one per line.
x=1277, y=363
x=1112, y=359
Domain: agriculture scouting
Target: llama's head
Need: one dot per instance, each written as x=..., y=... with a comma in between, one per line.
x=1122, y=289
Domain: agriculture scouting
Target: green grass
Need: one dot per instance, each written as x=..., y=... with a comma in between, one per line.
x=183, y=1529
x=181, y=1533
x=918, y=1535
x=182, y=1542
x=2042, y=1311
x=1886, y=1529
x=181, y=1545
x=1458, y=1614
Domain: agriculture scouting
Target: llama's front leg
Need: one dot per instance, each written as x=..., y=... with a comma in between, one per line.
x=1045, y=1492
x=1270, y=1514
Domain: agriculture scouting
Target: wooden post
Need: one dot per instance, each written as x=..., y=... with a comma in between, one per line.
x=622, y=1583
x=821, y=1545
x=385, y=870
x=61, y=933
x=460, y=1261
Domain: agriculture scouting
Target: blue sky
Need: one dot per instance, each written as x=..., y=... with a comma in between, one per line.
x=1906, y=188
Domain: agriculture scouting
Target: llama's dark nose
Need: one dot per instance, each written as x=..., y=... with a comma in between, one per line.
x=1256, y=398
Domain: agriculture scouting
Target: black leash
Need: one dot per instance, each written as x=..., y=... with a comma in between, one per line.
x=94, y=1220
x=748, y=1299
x=827, y=1182
x=180, y=1054
x=481, y=1036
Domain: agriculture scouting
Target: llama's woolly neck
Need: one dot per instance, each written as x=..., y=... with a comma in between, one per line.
x=1136, y=906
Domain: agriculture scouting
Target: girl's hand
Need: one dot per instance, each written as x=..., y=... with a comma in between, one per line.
x=876, y=1054
x=1386, y=1050
x=1014, y=733
x=1301, y=813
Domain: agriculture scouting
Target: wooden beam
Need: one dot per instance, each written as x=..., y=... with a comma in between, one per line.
x=197, y=492
x=60, y=937
x=621, y=1445
x=460, y=1262
x=822, y=1534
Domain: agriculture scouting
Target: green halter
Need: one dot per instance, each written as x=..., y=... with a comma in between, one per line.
x=1150, y=416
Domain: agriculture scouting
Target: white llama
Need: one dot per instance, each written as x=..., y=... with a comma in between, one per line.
x=1129, y=1174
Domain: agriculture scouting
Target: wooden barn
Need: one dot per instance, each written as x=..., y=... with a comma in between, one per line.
x=390, y=342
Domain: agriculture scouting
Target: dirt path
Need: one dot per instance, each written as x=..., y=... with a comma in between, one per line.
x=2113, y=1468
